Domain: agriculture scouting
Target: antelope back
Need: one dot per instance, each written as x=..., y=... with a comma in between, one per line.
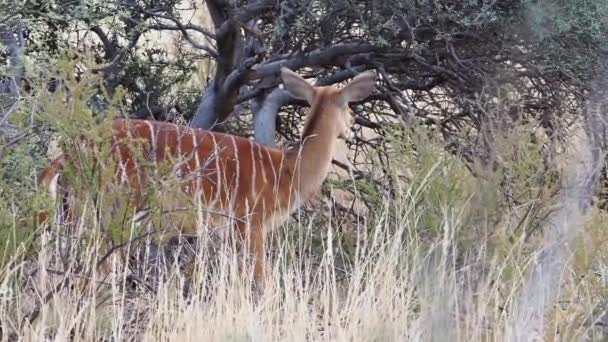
x=224, y=175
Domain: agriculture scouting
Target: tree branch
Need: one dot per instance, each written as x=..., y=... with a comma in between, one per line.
x=265, y=118
x=208, y=48
x=12, y=37
x=317, y=57
x=112, y=70
x=221, y=95
x=243, y=15
x=109, y=48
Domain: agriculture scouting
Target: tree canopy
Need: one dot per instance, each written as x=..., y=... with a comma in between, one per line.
x=465, y=68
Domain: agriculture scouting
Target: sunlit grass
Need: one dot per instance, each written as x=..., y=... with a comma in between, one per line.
x=400, y=284
x=443, y=257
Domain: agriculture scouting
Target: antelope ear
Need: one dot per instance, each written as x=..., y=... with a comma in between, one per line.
x=296, y=85
x=359, y=88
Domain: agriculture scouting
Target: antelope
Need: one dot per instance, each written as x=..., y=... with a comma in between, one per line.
x=259, y=185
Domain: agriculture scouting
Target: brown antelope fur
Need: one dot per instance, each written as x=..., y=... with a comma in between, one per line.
x=259, y=186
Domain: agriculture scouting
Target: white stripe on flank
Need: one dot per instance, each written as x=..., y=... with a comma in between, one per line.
x=195, y=152
x=274, y=172
x=179, y=143
x=123, y=173
x=277, y=184
x=216, y=156
x=128, y=145
x=262, y=162
x=153, y=148
x=235, y=191
x=152, y=141
x=197, y=171
x=182, y=156
x=252, y=168
x=120, y=169
x=236, y=159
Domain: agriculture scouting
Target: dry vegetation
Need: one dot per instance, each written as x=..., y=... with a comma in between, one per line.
x=443, y=258
x=462, y=212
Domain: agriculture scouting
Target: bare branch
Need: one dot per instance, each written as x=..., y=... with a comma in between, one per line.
x=14, y=141
x=327, y=56
x=109, y=48
x=265, y=118
x=184, y=29
x=210, y=50
x=12, y=37
x=244, y=14
x=179, y=26
x=221, y=96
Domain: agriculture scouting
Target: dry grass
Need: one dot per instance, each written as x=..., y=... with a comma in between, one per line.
x=398, y=285
x=445, y=259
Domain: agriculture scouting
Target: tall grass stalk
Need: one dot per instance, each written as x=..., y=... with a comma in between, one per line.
x=398, y=286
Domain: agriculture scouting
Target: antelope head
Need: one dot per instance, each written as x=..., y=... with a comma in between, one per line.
x=334, y=100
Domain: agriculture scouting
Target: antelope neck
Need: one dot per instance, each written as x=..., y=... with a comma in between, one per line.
x=314, y=155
